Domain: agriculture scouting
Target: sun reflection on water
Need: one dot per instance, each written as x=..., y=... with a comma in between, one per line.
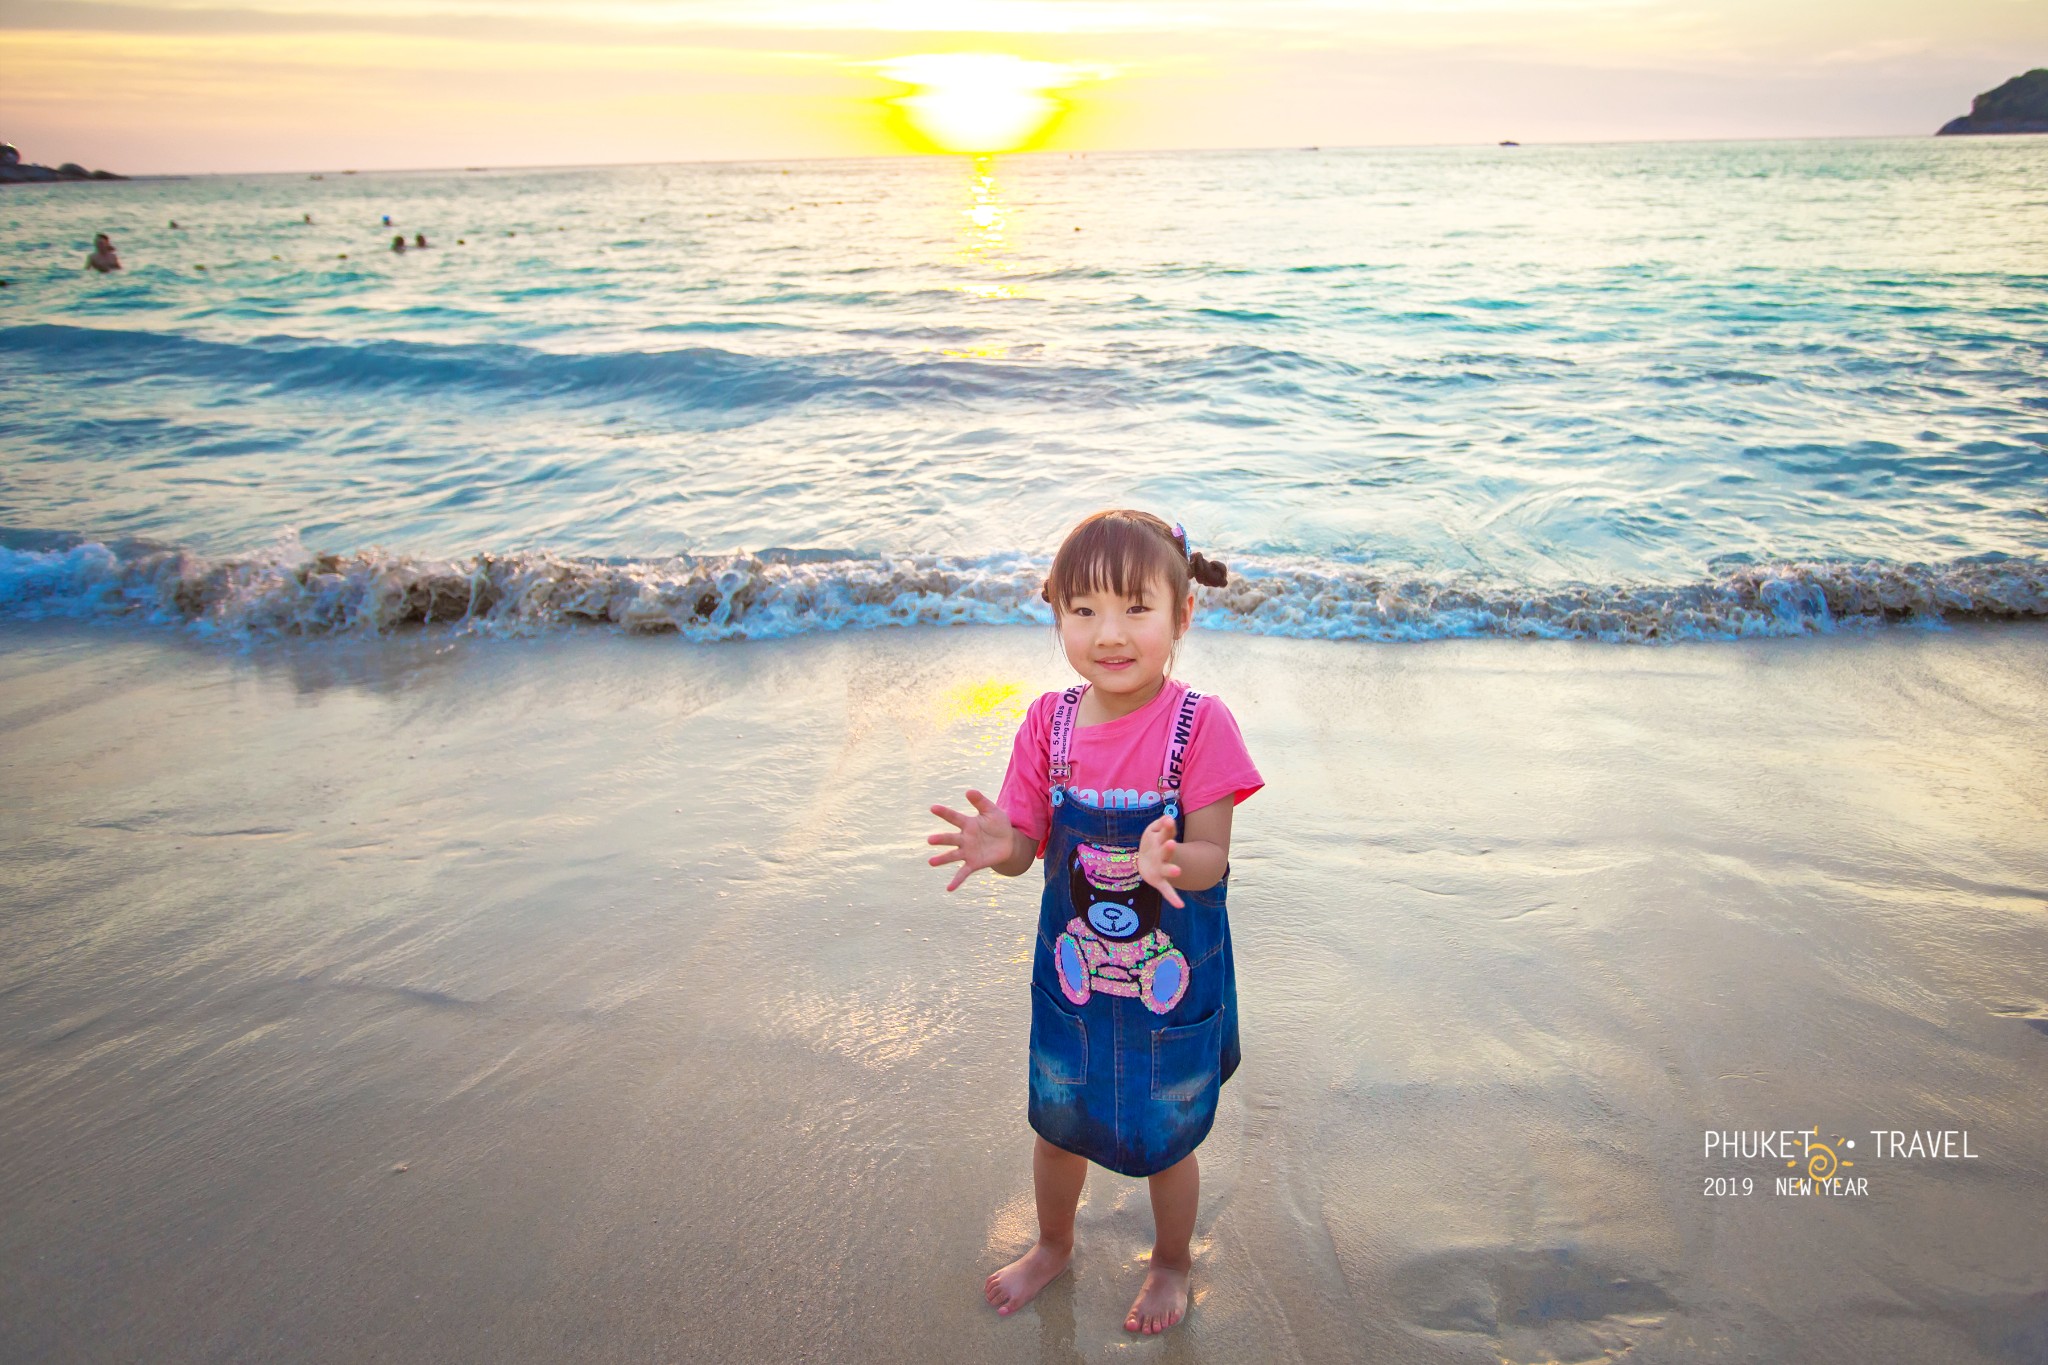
x=985, y=699
x=984, y=241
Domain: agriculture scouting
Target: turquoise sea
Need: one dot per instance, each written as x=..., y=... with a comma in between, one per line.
x=1630, y=392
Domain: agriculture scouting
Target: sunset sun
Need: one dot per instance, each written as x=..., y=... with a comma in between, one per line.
x=976, y=101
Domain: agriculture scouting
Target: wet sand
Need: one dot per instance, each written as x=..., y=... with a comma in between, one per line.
x=589, y=999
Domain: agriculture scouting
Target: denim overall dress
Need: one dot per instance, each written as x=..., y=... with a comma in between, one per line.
x=1133, y=1000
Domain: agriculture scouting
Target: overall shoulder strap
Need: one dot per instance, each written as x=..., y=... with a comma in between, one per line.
x=1059, y=767
x=1177, y=746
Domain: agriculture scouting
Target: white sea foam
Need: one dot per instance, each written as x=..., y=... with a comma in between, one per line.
x=289, y=591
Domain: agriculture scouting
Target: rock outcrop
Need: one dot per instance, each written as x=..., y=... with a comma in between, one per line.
x=13, y=172
x=2018, y=106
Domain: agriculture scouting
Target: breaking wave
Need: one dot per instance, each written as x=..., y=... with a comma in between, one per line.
x=287, y=591
x=692, y=377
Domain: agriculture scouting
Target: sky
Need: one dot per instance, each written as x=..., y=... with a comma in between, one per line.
x=170, y=86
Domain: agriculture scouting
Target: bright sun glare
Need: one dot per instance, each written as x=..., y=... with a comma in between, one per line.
x=978, y=101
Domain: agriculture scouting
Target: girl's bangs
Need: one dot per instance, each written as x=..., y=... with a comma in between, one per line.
x=1111, y=554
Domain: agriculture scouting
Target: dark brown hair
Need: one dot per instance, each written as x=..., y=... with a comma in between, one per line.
x=1120, y=551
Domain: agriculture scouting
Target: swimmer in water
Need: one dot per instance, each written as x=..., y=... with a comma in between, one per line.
x=103, y=258
x=387, y=220
x=308, y=217
x=398, y=244
x=419, y=240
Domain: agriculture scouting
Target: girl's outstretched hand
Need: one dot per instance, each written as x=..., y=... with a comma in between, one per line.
x=1155, y=857
x=984, y=838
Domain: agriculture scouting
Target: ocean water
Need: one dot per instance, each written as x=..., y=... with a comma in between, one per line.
x=1629, y=392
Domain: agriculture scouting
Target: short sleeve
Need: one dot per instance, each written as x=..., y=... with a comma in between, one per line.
x=1023, y=797
x=1218, y=765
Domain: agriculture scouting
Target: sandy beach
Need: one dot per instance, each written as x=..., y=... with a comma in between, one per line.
x=589, y=999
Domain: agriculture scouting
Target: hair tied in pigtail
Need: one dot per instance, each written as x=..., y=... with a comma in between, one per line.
x=1211, y=572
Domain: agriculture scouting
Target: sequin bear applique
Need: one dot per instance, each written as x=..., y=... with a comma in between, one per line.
x=1114, y=944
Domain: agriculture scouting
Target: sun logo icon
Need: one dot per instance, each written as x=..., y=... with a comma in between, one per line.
x=1821, y=1160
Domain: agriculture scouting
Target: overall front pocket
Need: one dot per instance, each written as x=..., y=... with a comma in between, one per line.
x=1187, y=1058
x=1059, y=1041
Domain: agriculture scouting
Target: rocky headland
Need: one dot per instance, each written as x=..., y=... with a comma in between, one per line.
x=14, y=172
x=2018, y=106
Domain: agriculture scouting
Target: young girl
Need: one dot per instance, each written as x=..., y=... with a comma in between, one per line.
x=1125, y=783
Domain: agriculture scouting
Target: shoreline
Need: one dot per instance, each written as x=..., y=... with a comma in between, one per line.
x=590, y=999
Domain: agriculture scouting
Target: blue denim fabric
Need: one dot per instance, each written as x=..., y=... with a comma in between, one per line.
x=1111, y=1079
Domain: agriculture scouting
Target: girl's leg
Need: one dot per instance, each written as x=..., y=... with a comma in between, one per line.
x=1164, y=1299
x=1056, y=1179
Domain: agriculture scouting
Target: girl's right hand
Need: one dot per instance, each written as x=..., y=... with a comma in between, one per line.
x=984, y=838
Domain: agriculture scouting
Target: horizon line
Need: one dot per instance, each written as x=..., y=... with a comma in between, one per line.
x=1049, y=154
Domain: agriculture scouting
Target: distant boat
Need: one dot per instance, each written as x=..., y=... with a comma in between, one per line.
x=1509, y=142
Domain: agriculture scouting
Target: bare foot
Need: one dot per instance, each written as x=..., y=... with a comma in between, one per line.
x=1018, y=1283
x=1162, y=1302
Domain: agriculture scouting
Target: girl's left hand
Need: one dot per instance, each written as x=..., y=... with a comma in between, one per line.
x=1155, y=858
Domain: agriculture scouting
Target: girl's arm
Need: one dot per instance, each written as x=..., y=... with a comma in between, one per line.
x=1195, y=863
x=1023, y=853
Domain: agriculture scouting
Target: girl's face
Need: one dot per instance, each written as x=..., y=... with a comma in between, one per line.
x=1123, y=644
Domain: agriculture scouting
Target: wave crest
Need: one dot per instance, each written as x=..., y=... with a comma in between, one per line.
x=288, y=591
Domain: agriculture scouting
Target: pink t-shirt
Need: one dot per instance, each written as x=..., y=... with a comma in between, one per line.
x=1117, y=764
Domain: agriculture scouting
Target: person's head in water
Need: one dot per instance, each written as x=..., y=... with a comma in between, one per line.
x=1122, y=595
x=398, y=242
x=103, y=257
x=419, y=239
